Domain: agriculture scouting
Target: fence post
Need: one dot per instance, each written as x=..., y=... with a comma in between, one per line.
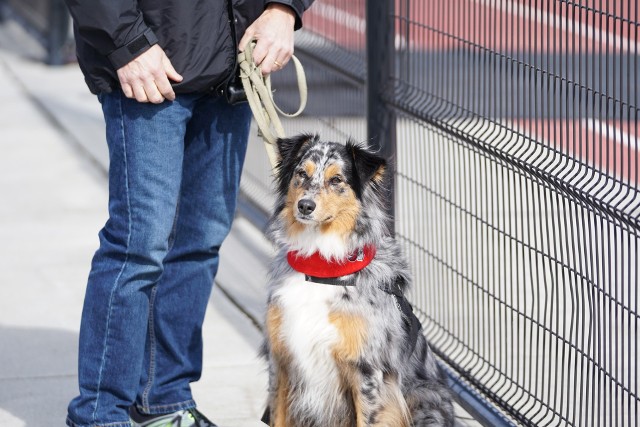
x=58, y=30
x=381, y=121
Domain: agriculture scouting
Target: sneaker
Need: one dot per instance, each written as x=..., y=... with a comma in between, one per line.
x=184, y=418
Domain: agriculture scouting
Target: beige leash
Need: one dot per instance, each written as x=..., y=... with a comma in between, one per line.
x=258, y=90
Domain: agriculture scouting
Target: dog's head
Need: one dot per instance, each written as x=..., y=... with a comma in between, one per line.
x=328, y=190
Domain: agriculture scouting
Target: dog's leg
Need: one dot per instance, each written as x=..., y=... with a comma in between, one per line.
x=279, y=384
x=378, y=399
x=280, y=401
x=428, y=396
x=353, y=333
x=430, y=405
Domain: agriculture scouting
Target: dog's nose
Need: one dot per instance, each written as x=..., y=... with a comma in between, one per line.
x=306, y=206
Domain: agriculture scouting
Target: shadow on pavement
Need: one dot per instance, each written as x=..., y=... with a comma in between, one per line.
x=37, y=375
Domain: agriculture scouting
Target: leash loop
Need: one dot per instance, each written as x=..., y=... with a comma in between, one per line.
x=260, y=97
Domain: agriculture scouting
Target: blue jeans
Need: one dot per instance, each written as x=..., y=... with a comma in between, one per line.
x=173, y=179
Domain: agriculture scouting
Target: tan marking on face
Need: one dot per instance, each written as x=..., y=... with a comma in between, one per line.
x=338, y=211
x=309, y=167
x=352, y=330
x=288, y=214
x=331, y=171
x=339, y=204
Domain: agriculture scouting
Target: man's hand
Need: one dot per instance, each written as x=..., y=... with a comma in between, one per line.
x=146, y=78
x=273, y=31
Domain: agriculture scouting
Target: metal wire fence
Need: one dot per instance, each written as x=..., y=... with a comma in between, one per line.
x=516, y=187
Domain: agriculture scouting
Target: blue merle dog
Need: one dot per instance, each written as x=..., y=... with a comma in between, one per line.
x=343, y=346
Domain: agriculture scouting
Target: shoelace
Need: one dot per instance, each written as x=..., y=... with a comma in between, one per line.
x=196, y=418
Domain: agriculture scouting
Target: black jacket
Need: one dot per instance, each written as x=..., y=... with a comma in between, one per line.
x=199, y=36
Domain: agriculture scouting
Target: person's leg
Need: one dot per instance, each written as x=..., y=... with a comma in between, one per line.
x=214, y=154
x=146, y=146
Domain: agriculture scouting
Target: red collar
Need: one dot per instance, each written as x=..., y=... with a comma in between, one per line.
x=317, y=266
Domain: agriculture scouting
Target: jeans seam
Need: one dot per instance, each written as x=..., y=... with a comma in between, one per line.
x=174, y=227
x=168, y=407
x=152, y=349
x=124, y=264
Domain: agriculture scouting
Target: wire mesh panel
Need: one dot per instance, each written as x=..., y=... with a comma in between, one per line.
x=517, y=199
x=517, y=179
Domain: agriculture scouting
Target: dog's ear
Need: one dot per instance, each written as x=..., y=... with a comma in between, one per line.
x=290, y=147
x=288, y=151
x=368, y=167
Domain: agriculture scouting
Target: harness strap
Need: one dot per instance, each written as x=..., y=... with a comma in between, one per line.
x=260, y=97
x=410, y=319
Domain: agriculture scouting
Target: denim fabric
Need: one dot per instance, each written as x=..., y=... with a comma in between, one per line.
x=173, y=178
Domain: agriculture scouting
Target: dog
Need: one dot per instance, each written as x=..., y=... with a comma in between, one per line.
x=342, y=343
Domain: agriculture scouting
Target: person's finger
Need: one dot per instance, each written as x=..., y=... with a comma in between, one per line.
x=170, y=71
x=151, y=89
x=139, y=93
x=126, y=89
x=274, y=61
x=146, y=78
x=164, y=87
x=281, y=61
x=268, y=66
x=162, y=79
x=261, y=50
x=246, y=38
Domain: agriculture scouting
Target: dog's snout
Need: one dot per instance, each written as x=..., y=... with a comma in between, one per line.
x=306, y=206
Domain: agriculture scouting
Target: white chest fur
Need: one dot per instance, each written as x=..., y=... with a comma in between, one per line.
x=310, y=337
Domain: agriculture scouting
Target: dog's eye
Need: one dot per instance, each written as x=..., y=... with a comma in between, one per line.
x=335, y=180
x=302, y=174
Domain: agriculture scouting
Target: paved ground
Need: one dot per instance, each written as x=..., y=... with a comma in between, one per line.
x=52, y=204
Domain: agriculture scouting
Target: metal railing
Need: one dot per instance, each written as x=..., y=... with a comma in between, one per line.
x=48, y=21
x=513, y=126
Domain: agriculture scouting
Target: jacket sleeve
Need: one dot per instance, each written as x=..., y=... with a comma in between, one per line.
x=298, y=6
x=115, y=28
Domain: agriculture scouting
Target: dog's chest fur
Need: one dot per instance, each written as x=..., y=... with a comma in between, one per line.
x=306, y=328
